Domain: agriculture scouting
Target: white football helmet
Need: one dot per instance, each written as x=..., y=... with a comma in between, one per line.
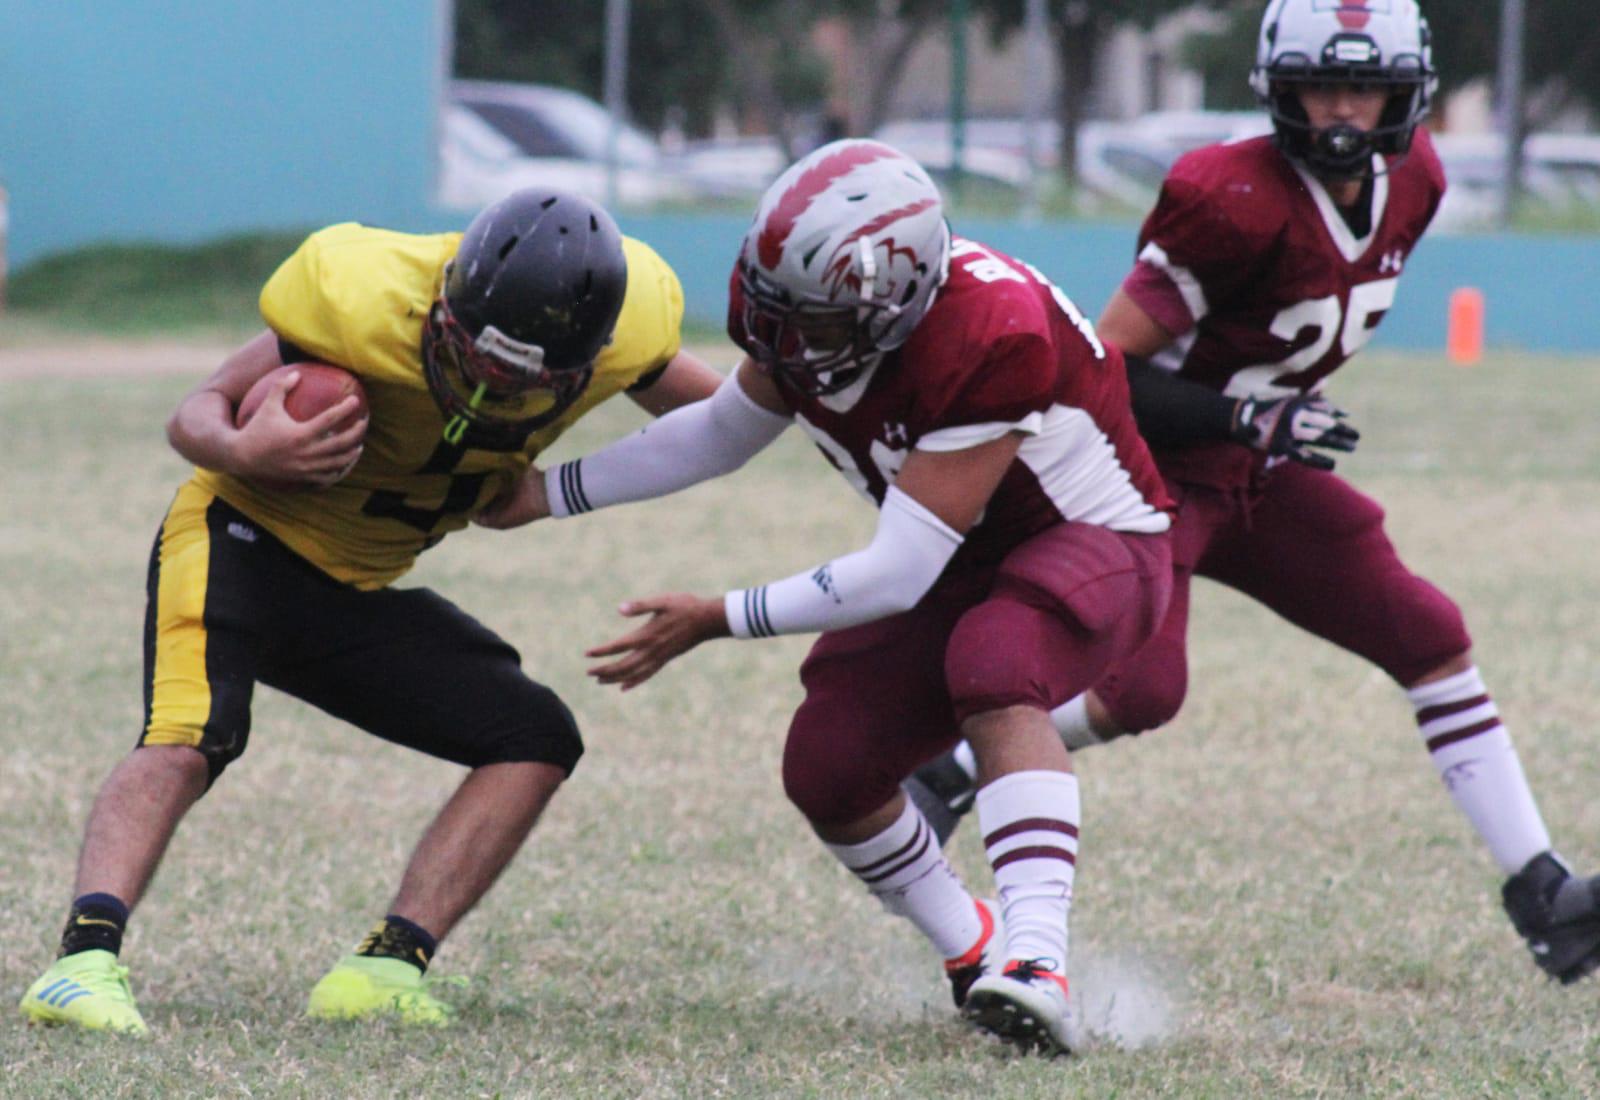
x=1383, y=42
x=844, y=257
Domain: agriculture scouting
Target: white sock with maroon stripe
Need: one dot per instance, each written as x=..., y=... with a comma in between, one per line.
x=905, y=869
x=1474, y=756
x=1030, y=830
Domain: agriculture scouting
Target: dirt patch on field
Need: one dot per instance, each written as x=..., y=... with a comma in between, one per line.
x=101, y=358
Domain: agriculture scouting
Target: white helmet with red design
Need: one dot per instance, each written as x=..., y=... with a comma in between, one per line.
x=1382, y=43
x=845, y=255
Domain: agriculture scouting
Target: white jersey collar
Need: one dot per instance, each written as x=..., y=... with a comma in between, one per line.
x=1350, y=246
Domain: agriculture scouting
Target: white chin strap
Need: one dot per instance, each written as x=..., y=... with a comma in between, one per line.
x=869, y=278
x=869, y=268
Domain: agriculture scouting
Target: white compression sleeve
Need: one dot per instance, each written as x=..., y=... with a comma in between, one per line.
x=909, y=551
x=686, y=446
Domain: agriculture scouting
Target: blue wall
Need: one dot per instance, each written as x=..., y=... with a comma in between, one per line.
x=178, y=120
x=1539, y=290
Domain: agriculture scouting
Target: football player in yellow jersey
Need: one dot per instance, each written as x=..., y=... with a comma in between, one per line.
x=476, y=351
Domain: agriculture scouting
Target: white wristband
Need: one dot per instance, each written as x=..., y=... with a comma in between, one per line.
x=909, y=551
x=686, y=446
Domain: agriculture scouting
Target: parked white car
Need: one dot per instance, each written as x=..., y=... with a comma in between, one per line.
x=1560, y=170
x=497, y=138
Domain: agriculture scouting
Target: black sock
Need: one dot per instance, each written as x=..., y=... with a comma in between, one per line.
x=95, y=923
x=397, y=938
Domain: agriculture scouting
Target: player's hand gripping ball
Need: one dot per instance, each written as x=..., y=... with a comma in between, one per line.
x=320, y=387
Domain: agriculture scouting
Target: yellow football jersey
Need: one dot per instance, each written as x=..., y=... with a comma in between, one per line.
x=357, y=297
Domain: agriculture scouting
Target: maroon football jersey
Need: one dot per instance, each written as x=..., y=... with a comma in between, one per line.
x=1000, y=349
x=1247, y=259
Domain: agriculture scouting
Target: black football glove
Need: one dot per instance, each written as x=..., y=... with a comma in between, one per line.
x=1290, y=426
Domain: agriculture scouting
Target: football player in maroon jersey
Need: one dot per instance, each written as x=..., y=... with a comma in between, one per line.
x=1264, y=266
x=1020, y=548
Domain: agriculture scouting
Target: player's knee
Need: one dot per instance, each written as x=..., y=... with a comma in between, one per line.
x=831, y=788
x=1149, y=691
x=1429, y=631
x=196, y=752
x=545, y=732
x=1003, y=653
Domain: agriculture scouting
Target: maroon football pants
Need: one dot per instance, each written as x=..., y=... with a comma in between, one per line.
x=1311, y=548
x=884, y=697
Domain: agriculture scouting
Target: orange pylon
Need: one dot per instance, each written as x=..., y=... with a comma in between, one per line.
x=1464, y=338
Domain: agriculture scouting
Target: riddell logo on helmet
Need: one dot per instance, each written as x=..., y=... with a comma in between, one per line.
x=1354, y=15
x=811, y=183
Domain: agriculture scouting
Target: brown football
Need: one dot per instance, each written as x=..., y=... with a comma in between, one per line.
x=320, y=387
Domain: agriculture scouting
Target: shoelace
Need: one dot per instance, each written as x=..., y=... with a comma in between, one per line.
x=111, y=980
x=1028, y=969
x=428, y=985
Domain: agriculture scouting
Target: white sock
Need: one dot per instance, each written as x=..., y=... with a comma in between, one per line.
x=905, y=869
x=1474, y=756
x=1030, y=831
x=1071, y=720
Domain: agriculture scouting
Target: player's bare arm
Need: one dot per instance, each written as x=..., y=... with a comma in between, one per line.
x=952, y=486
x=685, y=380
x=273, y=445
x=1126, y=324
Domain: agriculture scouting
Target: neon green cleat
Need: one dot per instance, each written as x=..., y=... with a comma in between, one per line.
x=363, y=986
x=88, y=989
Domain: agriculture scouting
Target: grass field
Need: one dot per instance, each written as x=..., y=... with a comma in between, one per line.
x=1275, y=896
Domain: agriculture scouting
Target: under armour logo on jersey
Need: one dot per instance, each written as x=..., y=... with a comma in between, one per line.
x=895, y=434
x=242, y=531
x=1392, y=262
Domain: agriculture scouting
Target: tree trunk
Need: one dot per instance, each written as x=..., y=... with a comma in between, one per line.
x=893, y=40
x=1079, y=36
x=753, y=52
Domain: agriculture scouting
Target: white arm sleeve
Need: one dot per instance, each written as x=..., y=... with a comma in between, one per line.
x=909, y=551
x=686, y=446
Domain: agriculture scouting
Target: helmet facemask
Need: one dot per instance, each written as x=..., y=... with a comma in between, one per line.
x=487, y=382
x=1343, y=151
x=815, y=344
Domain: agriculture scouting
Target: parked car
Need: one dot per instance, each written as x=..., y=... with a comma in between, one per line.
x=993, y=149
x=1127, y=161
x=727, y=168
x=497, y=137
x=1559, y=170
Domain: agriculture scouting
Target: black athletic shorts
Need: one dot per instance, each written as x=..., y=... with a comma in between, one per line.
x=229, y=605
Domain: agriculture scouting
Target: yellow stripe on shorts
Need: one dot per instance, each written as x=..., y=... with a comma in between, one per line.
x=180, y=694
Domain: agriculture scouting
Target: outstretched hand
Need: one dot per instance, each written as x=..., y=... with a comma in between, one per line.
x=678, y=622
x=524, y=502
x=1290, y=426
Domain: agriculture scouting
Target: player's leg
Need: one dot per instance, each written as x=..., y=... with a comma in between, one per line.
x=1318, y=555
x=422, y=673
x=875, y=706
x=1066, y=605
x=200, y=646
x=1139, y=694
